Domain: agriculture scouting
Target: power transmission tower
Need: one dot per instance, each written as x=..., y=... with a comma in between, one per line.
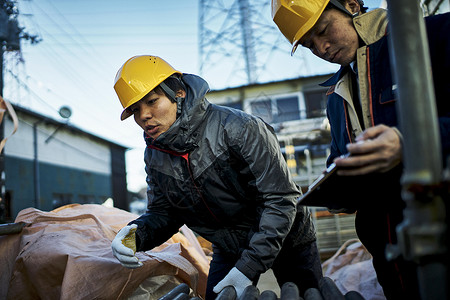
x=238, y=41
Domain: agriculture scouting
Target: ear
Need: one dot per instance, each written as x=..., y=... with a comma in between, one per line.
x=353, y=6
x=181, y=94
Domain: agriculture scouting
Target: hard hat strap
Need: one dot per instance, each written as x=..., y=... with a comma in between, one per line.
x=172, y=96
x=168, y=91
x=341, y=7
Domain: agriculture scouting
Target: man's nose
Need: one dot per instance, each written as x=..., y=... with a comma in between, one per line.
x=145, y=113
x=321, y=48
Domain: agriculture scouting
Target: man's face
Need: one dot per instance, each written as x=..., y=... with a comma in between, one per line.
x=154, y=113
x=333, y=38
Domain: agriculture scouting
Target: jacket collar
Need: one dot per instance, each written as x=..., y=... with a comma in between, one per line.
x=183, y=135
x=336, y=77
x=371, y=27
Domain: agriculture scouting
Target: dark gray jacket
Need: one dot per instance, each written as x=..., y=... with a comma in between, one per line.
x=220, y=171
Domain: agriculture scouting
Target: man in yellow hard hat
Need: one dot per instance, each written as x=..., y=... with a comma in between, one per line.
x=220, y=172
x=362, y=113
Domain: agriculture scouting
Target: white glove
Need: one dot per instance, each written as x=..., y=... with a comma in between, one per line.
x=236, y=279
x=124, y=247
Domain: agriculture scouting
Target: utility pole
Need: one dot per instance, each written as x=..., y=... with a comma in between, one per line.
x=10, y=36
x=6, y=9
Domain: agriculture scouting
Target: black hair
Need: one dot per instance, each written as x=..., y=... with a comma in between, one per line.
x=343, y=2
x=174, y=83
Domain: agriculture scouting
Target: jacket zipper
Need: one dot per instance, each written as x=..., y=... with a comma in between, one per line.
x=186, y=157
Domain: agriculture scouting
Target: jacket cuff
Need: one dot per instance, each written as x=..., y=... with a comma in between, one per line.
x=248, y=272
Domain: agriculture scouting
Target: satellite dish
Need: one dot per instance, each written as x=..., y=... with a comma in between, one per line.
x=65, y=112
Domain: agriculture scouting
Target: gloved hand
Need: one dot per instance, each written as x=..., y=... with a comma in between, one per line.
x=124, y=247
x=236, y=279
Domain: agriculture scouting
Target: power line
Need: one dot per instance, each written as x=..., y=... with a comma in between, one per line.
x=69, y=145
x=238, y=39
x=70, y=37
x=86, y=112
x=78, y=34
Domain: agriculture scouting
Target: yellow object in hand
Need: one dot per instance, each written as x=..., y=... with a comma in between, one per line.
x=124, y=247
x=129, y=240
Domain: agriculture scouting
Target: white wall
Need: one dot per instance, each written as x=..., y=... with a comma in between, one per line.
x=65, y=148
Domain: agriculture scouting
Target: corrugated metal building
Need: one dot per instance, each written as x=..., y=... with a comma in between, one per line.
x=49, y=163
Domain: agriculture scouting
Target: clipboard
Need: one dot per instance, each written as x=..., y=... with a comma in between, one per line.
x=352, y=192
x=328, y=190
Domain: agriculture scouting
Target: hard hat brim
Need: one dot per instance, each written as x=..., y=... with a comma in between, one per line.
x=294, y=47
x=125, y=114
x=307, y=26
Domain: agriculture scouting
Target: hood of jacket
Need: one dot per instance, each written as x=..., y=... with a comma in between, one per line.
x=182, y=136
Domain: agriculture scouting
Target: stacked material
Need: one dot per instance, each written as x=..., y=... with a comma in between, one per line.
x=289, y=291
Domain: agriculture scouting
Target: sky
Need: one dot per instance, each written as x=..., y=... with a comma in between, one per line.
x=84, y=43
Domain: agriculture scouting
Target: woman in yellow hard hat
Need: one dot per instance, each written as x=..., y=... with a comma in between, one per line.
x=361, y=109
x=220, y=171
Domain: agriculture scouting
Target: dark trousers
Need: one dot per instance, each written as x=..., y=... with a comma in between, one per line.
x=300, y=265
x=376, y=229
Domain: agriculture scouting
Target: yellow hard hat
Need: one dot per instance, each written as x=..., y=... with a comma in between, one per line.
x=294, y=18
x=137, y=77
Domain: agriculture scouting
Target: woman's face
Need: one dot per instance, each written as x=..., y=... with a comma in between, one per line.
x=155, y=113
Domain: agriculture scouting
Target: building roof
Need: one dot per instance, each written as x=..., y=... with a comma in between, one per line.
x=326, y=75
x=65, y=125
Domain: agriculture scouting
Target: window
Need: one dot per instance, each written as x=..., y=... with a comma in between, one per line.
x=287, y=109
x=262, y=109
x=88, y=199
x=61, y=200
x=276, y=109
x=316, y=103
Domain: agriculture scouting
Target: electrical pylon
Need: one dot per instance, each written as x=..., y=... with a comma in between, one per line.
x=239, y=42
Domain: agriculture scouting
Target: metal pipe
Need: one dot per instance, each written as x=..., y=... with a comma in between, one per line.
x=417, y=108
x=251, y=292
x=37, y=189
x=422, y=232
x=309, y=165
x=12, y=228
x=182, y=288
x=228, y=293
x=289, y=290
x=329, y=289
x=2, y=129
